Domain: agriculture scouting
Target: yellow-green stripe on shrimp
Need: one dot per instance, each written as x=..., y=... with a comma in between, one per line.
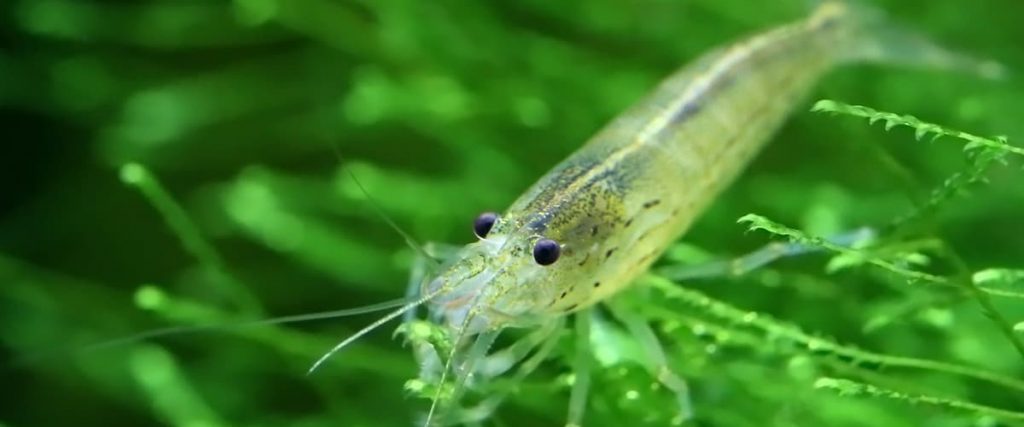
x=589, y=227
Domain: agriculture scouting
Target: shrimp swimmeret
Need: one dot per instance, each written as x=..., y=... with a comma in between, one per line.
x=599, y=219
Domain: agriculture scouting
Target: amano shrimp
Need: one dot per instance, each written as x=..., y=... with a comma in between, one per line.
x=599, y=219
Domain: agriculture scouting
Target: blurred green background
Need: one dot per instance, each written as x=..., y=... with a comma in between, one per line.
x=445, y=109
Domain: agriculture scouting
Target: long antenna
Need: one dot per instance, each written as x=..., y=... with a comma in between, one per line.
x=409, y=240
x=391, y=316
x=176, y=330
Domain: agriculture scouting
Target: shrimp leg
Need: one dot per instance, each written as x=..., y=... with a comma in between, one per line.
x=765, y=255
x=657, y=362
x=503, y=360
x=543, y=341
x=543, y=352
x=582, y=365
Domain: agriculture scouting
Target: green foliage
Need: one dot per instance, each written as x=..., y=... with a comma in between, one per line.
x=921, y=129
x=985, y=151
x=219, y=118
x=851, y=388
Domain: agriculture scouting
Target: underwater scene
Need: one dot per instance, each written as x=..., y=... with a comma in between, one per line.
x=380, y=213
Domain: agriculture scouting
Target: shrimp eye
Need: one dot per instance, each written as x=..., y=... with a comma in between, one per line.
x=483, y=224
x=546, y=251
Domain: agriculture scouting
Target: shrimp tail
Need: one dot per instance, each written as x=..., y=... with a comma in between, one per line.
x=867, y=35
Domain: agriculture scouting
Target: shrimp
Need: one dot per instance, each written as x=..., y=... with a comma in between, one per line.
x=599, y=219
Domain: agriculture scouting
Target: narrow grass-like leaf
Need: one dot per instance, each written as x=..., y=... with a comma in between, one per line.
x=138, y=176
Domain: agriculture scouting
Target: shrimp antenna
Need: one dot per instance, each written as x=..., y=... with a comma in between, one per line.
x=176, y=330
x=409, y=240
x=298, y=318
x=391, y=316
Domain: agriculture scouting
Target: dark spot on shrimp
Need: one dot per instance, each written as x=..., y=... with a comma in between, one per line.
x=539, y=225
x=597, y=284
x=686, y=111
x=609, y=253
x=593, y=231
x=629, y=223
x=564, y=293
x=571, y=307
x=652, y=203
x=585, y=259
x=826, y=22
